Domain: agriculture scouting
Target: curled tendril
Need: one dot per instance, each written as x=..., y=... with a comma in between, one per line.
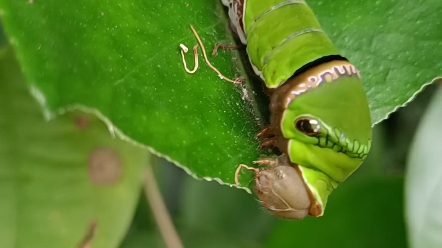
x=236, y=81
x=184, y=50
x=243, y=166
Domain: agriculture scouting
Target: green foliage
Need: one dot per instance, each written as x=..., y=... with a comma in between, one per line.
x=424, y=180
x=48, y=197
x=121, y=59
x=392, y=42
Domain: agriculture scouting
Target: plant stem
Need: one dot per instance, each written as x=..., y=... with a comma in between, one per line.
x=159, y=210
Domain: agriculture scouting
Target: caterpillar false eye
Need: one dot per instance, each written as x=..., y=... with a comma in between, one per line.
x=310, y=127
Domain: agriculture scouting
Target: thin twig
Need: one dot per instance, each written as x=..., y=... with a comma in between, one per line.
x=159, y=211
x=236, y=81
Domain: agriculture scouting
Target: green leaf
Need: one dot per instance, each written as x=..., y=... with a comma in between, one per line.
x=120, y=59
x=53, y=182
x=392, y=43
x=424, y=180
x=367, y=214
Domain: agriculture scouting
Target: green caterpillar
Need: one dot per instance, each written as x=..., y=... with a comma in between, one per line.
x=320, y=117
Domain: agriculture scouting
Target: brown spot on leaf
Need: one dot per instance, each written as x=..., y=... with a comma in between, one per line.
x=105, y=166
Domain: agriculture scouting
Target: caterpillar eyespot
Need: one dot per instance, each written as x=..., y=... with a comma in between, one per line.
x=309, y=127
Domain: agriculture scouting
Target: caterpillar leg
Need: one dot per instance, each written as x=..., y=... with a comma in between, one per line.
x=272, y=142
x=265, y=132
x=270, y=162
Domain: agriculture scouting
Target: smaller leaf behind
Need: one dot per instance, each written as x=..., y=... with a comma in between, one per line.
x=424, y=180
x=61, y=176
